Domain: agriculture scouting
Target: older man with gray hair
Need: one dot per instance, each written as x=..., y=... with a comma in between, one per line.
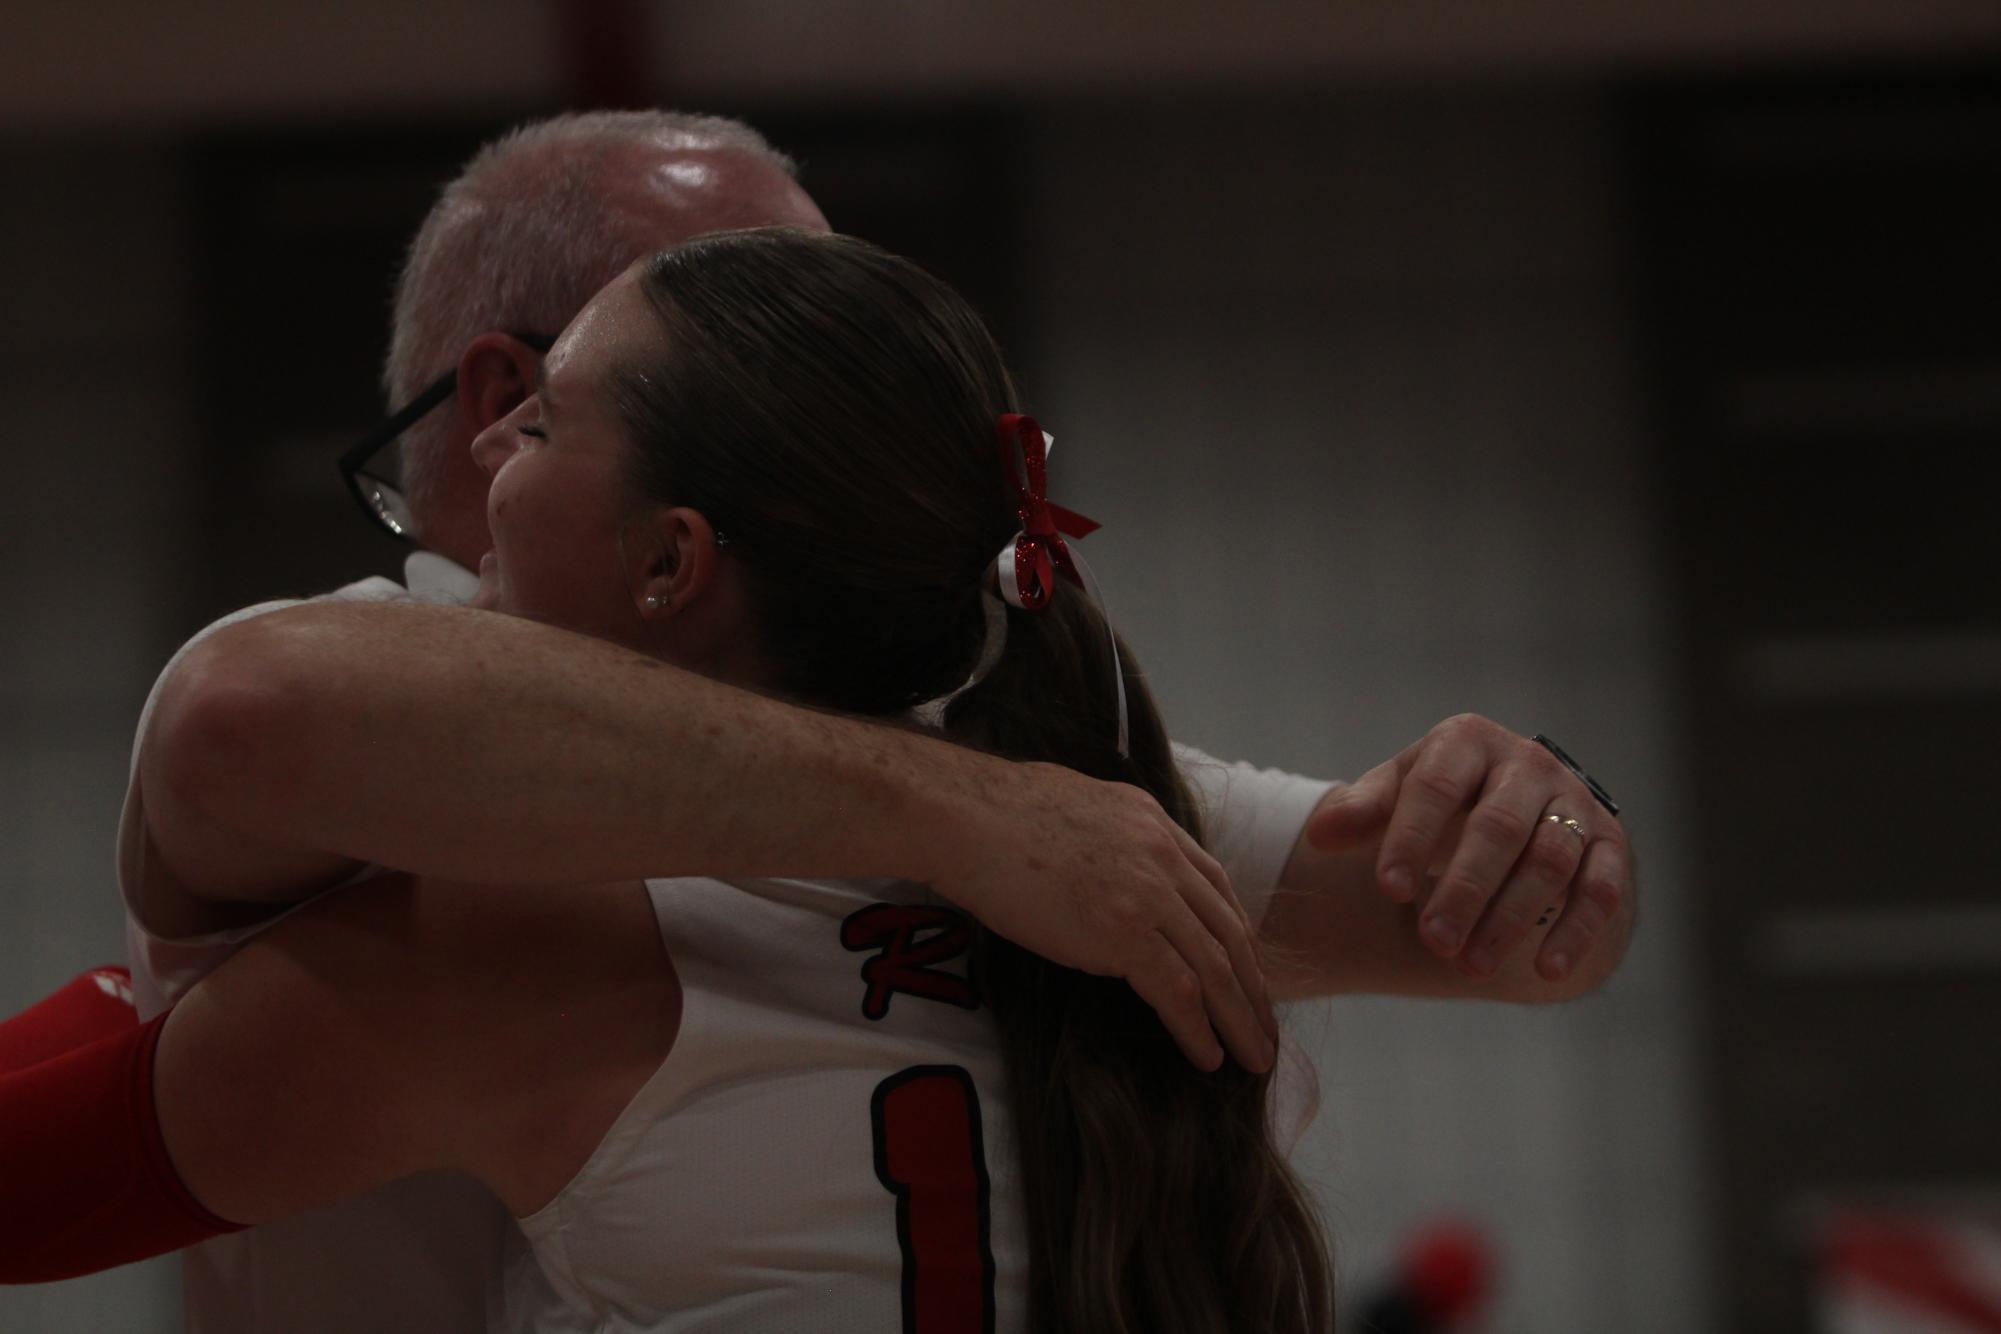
x=537, y=222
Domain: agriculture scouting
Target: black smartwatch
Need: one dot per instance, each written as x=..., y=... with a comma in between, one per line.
x=1598, y=791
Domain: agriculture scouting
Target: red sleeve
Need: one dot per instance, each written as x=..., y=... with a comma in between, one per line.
x=85, y=1180
x=96, y=1005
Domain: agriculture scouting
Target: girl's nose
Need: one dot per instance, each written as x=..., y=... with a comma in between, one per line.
x=491, y=447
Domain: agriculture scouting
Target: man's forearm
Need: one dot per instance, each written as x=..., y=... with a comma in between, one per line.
x=470, y=745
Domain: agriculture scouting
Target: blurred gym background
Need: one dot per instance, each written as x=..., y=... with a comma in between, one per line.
x=1626, y=373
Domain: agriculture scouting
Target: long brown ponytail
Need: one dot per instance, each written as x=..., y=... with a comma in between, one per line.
x=844, y=404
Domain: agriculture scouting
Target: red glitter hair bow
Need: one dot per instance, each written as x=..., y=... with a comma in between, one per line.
x=1028, y=566
x=1039, y=550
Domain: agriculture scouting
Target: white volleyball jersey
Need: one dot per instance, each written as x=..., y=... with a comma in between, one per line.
x=826, y=1147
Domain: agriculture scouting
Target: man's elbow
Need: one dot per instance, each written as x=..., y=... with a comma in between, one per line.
x=230, y=720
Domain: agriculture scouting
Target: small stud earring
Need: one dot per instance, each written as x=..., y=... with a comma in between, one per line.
x=654, y=602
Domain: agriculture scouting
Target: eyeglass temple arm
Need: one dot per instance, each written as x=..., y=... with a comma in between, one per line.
x=434, y=393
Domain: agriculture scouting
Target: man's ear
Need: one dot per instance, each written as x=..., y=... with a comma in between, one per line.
x=496, y=372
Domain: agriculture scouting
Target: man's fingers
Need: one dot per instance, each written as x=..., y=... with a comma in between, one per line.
x=1217, y=907
x=1166, y=983
x=1212, y=871
x=1358, y=811
x=1230, y=1009
x=1441, y=781
x=1540, y=878
x=1596, y=896
x=1491, y=843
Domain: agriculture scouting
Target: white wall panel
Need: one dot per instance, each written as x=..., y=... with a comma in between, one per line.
x=1350, y=383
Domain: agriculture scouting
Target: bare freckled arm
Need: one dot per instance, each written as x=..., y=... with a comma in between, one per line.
x=475, y=746
x=472, y=746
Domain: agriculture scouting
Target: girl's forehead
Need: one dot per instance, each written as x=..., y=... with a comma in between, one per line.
x=615, y=326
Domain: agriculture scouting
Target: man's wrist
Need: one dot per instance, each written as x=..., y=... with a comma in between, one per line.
x=932, y=796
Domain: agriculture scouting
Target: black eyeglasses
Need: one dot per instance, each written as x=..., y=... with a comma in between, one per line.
x=373, y=471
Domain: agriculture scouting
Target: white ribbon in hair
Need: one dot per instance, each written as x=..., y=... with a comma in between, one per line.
x=1009, y=578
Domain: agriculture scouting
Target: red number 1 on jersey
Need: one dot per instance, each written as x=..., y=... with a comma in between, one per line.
x=929, y=1154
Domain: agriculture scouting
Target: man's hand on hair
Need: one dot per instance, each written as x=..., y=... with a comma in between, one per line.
x=1095, y=876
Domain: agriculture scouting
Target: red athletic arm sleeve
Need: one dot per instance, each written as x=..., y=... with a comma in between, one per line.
x=85, y=1181
x=96, y=1005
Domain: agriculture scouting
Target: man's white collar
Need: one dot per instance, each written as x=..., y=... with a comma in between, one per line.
x=434, y=578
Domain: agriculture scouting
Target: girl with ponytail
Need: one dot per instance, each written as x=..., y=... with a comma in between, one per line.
x=846, y=405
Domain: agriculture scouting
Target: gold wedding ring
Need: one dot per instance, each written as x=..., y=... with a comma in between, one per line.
x=1569, y=824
